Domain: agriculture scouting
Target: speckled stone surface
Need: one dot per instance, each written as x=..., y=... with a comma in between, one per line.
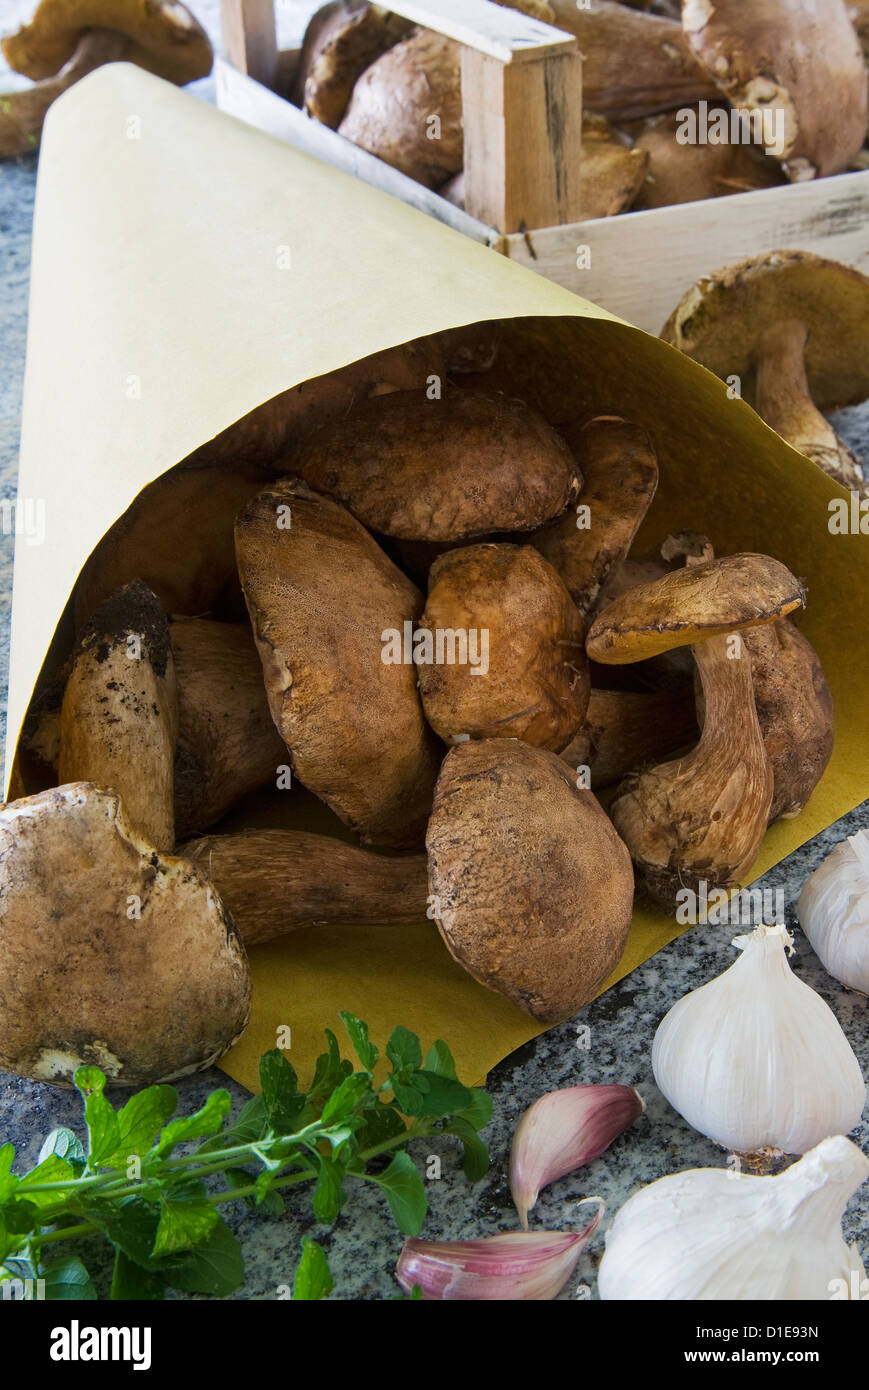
x=363, y=1245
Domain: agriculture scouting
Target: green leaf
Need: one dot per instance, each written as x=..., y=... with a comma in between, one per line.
x=440, y=1060
x=475, y=1155
x=329, y=1195
x=8, y=1180
x=141, y=1120
x=403, y=1049
x=206, y=1120
x=313, y=1279
x=345, y=1099
x=215, y=1267
x=67, y=1278
x=425, y=1093
x=405, y=1192
x=479, y=1112
x=130, y=1224
x=20, y=1216
x=100, y=1118
x=251, y=1124
x=131, y=1282
x=330, y=1069
x=280, y=1091
x=358, y=1034
x=382, y=1122
x=65, y=1144
x=51, y=1169
x=185, y=1221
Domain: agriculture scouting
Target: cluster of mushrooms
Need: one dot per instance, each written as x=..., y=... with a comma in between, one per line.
x=231, y=628
x=378, y=80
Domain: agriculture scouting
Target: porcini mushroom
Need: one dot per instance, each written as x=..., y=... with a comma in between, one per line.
x=323, y=599
x=227, y=742
x=464, y=465
x=406, y=108
x=524, y=673
x=620, y=475
x=396, y=100
x=110, y=954
x=341, y=41
x=612, y=170
x=684, y=172
x=278, y=881
x=700, y=601
x=795, y=68
x=531, y=887
x=163, y=37
x=119, y=720
x=794, y=329
x=702, y=817
x=634, y=64
x=22, y=112
x=795, y=712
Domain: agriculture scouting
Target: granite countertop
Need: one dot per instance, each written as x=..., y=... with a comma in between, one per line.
x=363, y=1244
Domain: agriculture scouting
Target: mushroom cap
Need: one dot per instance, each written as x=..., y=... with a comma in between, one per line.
x=395, y=99
x=468, y=464
x=611, y=170
x=322, y=598
x=341, y=41
x=720, y=319
x=532, y=888
x=535, y=682
x=83, y=979
x=691, y=604
x=802, y=58
x=165, y=37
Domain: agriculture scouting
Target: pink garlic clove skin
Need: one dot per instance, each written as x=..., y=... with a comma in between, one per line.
x=516, y=1266
x=564, y=1130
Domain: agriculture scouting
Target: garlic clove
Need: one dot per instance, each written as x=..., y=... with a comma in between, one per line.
x=833, y=910
x=519, y=1266
x=755, y=1059
x=564, y=1130
x=712, y=1234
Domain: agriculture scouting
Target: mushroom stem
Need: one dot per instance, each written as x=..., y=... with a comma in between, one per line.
x=22, y=113
x=703, y=817
x=274, y=882
x=119, y=720
x=783, y=399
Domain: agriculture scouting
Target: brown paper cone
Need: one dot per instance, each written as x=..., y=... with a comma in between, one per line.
x=162, y=310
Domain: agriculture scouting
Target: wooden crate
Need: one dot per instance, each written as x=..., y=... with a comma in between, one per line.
x=521, y=161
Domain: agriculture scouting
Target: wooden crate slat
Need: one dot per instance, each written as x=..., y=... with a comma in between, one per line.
x=496, y=30
x=641, y=263
x=249, y=37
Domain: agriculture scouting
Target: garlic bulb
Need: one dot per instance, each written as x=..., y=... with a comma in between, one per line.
x=755, y=1059
x=834, y=911
x=712, y=1234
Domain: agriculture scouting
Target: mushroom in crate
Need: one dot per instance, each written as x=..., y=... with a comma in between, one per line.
x=794, y=330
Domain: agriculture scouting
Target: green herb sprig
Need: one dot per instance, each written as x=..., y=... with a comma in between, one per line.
x=133, y=1187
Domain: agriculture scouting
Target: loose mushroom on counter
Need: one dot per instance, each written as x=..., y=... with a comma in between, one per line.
x=794, y=329
x=111, y=955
